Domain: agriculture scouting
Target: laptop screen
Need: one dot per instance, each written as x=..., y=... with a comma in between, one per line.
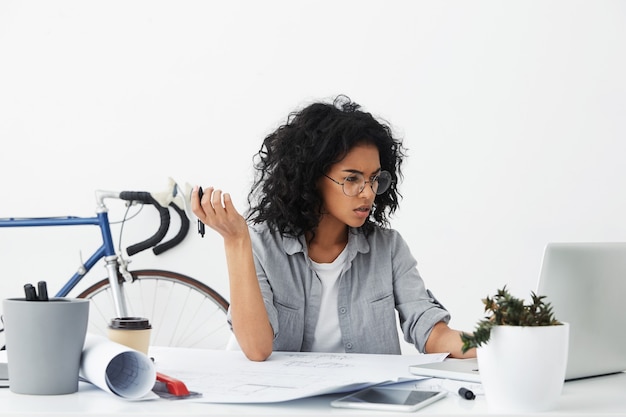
x=586, y=285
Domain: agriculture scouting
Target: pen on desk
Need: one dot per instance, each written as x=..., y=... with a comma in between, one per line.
x=29, y=292
x=42, y=290
x=200, y=224
x=466, y=393
x=456, y=388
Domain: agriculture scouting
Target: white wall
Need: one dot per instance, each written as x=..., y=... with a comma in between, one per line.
x=513, y=113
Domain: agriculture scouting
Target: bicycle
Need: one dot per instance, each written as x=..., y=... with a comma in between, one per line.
x=183, y=311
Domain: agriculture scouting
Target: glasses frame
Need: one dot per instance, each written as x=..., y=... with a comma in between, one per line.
x=371, y=183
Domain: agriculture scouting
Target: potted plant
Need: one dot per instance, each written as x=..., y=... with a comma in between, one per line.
x=522, y=353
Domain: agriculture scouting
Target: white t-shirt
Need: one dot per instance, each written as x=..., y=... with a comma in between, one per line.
x=327, y=336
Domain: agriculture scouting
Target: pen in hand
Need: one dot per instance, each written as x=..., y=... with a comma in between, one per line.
x=200, y=224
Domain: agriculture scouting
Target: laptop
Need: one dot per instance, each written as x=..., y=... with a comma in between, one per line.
x=586, y=286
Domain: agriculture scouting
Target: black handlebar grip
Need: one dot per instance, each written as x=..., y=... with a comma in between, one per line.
x=164, y=213
x=180, y=236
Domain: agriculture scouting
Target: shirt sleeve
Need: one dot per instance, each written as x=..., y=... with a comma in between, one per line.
x=418, y=309
x=259, y=246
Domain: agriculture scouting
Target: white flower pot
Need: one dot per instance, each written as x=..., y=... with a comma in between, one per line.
x=523, y=368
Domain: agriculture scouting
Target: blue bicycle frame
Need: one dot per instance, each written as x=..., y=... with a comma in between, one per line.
x=107, y=251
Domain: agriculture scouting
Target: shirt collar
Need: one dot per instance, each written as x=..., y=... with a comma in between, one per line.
x=357, y=242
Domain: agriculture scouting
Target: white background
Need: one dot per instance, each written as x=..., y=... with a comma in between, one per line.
x=513, y=113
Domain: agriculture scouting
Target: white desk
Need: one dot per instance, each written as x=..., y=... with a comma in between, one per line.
x=590, y=397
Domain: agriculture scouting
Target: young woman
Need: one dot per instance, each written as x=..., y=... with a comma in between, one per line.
x=314, y=266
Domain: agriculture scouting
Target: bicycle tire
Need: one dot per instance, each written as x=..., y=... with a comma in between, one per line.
x=183, y=311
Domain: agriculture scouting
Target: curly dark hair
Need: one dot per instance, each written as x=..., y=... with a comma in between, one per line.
x=298, y=153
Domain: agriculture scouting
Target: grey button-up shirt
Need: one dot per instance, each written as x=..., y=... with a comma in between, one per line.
x=379, y=277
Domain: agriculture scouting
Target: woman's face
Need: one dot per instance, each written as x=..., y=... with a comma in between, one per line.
x=362, y=160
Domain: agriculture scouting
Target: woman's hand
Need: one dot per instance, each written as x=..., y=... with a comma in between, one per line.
x=217, y=211
x=444, y=339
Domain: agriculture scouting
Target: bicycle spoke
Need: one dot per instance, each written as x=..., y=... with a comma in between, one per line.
x=183, y=312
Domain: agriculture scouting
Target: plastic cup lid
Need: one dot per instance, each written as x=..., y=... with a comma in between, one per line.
x=130, y=323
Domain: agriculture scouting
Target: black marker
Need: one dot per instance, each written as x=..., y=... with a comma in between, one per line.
x=456, y=388
x=200, y=224
x=30, y=293
x=466, y=393
x=43, y=291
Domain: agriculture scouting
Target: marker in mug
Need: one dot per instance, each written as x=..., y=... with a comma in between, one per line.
x=43, y=291
x=200, y=224
x=30, y=293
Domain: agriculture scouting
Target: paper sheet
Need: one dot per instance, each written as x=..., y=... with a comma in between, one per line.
x=117, y=369
x=229, y=377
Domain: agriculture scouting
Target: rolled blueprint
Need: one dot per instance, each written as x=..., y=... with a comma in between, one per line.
x=116, y=368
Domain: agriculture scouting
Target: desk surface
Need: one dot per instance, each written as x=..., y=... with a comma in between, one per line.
x=589, y=397
x=604, y=395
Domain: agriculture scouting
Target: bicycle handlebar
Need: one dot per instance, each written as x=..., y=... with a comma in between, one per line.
x=162, y=202
x=164, y=213
x=184, y=228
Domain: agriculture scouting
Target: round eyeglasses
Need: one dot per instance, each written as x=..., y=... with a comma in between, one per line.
x=354, y=184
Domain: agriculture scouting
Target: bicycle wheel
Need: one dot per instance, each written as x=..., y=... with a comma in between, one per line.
x=183, y=312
